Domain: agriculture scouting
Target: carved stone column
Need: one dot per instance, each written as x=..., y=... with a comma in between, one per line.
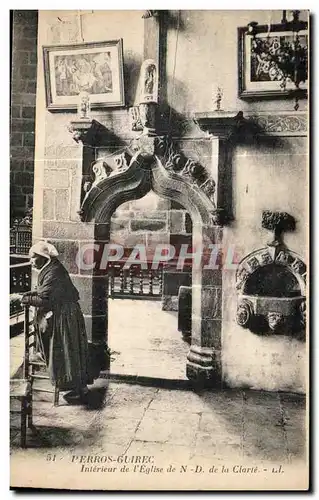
x=93, y=286
x=204, y=363
x=204, y=357
x=93, y=290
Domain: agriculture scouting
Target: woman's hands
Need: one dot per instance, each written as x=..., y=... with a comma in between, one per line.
x=33, y=299
x=26, y=297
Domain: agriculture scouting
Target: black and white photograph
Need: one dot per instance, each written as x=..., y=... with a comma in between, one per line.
x=159, y=246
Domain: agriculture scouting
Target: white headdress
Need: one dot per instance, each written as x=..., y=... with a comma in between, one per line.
x=45, y=249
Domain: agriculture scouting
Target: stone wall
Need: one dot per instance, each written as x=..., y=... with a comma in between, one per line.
x=23, y=97
x=180, y=234
x=207, y=57
x=274, y=178
x=144, y=221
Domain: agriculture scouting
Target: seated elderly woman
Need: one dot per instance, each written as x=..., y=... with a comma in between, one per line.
x=62, y=339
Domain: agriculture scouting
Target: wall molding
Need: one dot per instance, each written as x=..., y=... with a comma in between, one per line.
x=282, y=123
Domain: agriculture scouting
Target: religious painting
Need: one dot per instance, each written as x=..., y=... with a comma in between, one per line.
x=266, y=66
x=95, y=68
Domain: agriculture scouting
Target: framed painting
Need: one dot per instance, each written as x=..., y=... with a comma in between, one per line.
x=259, y=73
x=96, y=68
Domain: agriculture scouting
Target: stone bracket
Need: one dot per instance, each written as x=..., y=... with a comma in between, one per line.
x=79, y=129
x=89, y=132
x=228, y=123
x=224, y=127
x=223, y=124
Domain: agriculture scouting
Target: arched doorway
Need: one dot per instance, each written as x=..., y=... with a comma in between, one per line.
x=143, y=333
x=147, y=172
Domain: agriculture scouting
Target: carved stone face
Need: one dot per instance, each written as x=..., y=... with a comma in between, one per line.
x=303, y=312
x=244, y=313
x=275, y=320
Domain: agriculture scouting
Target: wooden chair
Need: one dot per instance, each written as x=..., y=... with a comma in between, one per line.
x=38, y=371
x=21, y=388
x=36, y=374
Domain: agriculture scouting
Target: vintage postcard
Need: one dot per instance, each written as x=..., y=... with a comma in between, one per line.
x=159, y=225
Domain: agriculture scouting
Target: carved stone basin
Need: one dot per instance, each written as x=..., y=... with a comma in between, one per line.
x=271, y=314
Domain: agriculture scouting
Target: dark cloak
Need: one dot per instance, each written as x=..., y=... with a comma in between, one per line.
x=60, y=325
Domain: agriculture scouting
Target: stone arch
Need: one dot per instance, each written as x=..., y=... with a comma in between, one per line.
x=136, y=181
x=143, y=174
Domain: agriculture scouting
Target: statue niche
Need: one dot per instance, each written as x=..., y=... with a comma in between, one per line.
x=143, y=116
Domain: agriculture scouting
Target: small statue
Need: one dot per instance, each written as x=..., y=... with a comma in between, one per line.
x=148, y=96
x=150, y=79
x=149, y=82
x=218, y=98
x=84, y=105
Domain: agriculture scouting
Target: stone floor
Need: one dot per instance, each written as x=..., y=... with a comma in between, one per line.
x=145, y=340
x=174, y=426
